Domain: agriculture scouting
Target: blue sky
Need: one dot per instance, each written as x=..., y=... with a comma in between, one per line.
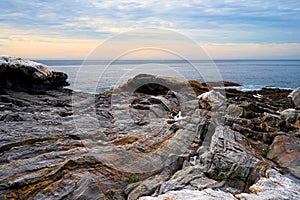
x=218, y=22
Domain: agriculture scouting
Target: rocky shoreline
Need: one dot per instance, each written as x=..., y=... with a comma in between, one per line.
x=152, y=138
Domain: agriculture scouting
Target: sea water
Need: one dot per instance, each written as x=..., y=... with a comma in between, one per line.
x=95, y=76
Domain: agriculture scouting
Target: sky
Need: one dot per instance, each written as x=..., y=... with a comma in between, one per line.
x=72, y=29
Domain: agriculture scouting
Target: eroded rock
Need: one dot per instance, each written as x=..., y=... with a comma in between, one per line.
x=152, y=141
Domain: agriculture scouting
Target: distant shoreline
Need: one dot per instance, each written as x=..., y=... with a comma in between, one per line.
x=142, y=61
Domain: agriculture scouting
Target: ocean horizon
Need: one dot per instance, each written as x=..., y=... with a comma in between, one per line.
x=252, y=74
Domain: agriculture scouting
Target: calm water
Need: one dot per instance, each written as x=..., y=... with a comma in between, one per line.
x=252, y=74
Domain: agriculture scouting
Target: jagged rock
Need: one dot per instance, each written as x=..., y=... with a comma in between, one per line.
x=234, y=110
x=295, y=97
x=225, y=156
x=285, y=150
x=181, y=179
x=211, y=100
x=124, y=145
x=292, y=118
x=208, y=194
x=290, y=114
x=150, y=185
x=273, y=186
x=25, y=75
x=268, y=122
x=11, y=117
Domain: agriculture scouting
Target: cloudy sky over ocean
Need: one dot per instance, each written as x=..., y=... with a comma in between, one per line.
x=225, y=29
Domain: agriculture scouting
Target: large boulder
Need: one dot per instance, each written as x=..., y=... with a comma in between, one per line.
x=158, y=85
x=25, y=75
x=295, y=97
x=285, y=150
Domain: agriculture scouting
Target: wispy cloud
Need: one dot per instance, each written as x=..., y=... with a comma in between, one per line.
x=218, y=21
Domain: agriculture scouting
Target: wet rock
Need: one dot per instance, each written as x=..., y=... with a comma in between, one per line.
x=274, y=93
x=221, y=84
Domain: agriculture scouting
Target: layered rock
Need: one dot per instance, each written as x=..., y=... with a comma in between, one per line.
x=273, y=186
x=149, y=139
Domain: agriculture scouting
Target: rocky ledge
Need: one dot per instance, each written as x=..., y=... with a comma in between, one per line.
x=25, y=75
x=160, y=139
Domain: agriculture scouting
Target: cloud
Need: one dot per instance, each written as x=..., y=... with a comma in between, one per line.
x=219, y=21
x=89, y=18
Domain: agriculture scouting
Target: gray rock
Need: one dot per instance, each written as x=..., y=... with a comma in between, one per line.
x=212, y=100
x=291, y=117
x=224, y=156
x=295, y=97
x=181, y=179
x=62, y=144
x=192, y=195
x=234, y=110
x=274, y=186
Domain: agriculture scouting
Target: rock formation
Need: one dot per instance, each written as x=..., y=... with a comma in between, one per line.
x=295, y=97
x=28, y=76
x=148, y=139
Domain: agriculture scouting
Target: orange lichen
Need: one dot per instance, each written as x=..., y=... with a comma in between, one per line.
x=111, y=157
x=128, y=140
x=30, y=188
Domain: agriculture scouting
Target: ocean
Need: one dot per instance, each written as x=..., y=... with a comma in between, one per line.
x=95, y=76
